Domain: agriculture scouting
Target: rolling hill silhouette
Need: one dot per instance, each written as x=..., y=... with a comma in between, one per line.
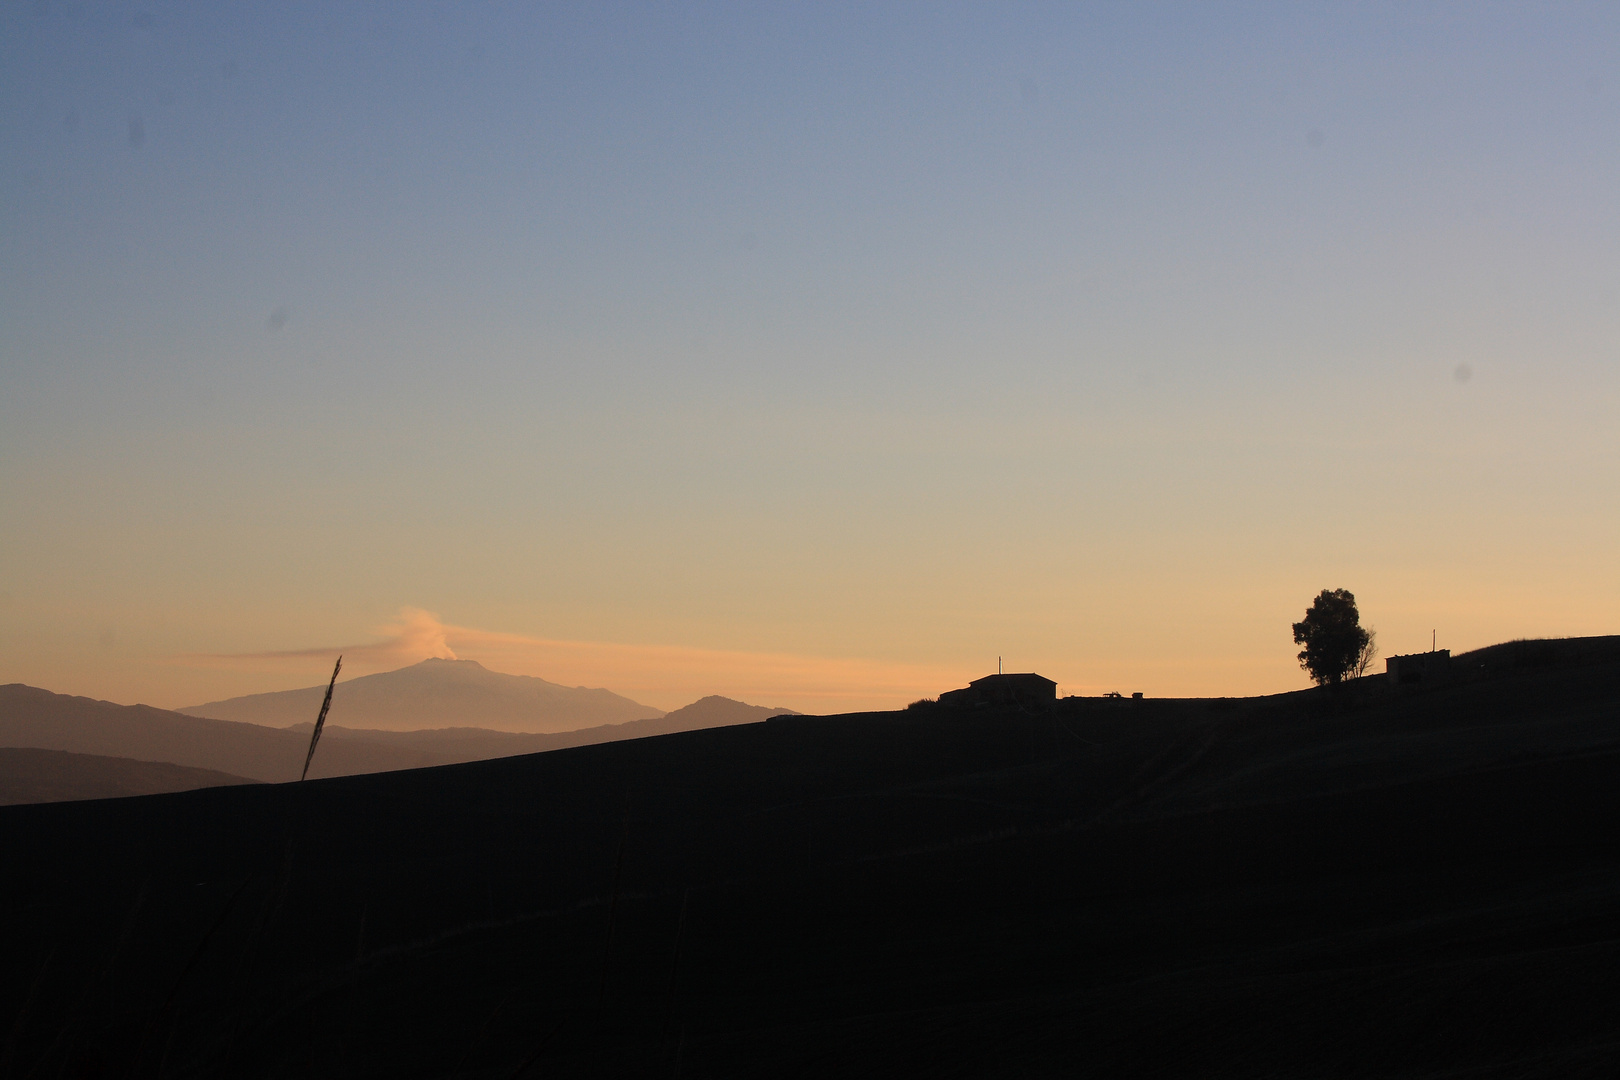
x=34, y=776
x=39, y=719
x=438, y=694
x=449, y=746
x=1361, y=884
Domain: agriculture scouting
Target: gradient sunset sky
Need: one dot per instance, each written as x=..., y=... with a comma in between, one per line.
x=814, y=355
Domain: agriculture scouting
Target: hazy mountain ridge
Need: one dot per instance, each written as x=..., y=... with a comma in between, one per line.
x=37, y=719
x=29, y=775
x=446, y=746
x=436, y=694
x=454, y=745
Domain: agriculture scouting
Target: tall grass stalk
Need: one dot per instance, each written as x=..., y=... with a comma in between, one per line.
x=320, y=721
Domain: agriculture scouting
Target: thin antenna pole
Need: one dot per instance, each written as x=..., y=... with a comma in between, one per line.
x=1433, y=640
x=998, y=665
x=320, y=721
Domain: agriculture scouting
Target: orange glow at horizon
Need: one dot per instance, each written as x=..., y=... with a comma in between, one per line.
x=664, y=676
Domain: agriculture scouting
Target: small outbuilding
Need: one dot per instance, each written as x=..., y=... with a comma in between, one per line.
x=1419, y=669
x=1028, y=691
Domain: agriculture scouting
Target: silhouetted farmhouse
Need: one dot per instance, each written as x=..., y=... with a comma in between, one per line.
x=1029, y=691
x=1419, y=669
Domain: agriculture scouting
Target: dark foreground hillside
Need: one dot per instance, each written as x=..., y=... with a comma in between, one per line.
x=1301, y=886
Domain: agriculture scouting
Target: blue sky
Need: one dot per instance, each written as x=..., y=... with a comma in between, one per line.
x=1101, y=337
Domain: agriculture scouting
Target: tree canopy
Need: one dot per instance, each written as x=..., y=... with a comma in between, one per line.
x=1335, y=643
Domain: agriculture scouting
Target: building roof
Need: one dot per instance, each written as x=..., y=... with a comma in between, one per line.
x=1012, y=679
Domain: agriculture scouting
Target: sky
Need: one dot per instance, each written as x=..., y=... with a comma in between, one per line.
x=817, y=355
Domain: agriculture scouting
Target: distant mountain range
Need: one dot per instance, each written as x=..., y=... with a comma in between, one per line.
x=224, y=751
x=446, y=746
x=438, y=694
x=41, y=720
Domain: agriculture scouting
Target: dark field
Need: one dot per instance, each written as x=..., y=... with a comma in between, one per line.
x=1313, y=885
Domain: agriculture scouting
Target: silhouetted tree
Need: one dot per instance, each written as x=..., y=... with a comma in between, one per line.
x=1335, y=644
x=1369, y=653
